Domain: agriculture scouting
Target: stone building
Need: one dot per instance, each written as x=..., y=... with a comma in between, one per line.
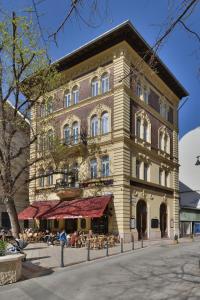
x=134, y=121
x=21, y=196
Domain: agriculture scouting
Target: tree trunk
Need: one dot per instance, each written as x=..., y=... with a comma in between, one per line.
x=12, y=212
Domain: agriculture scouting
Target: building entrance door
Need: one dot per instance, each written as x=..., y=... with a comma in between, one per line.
x=141, y=220
x=163, y=220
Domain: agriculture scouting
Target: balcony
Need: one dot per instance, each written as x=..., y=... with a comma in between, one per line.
x=67, y=190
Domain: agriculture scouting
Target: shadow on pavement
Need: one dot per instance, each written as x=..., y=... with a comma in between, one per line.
x=30, y=270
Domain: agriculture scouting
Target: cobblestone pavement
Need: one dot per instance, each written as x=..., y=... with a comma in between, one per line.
x=166, y=271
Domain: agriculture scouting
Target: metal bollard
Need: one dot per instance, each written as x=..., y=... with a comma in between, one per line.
x=107, y=247
x=142, y=244
x=122, y=245
x=88, y=251
x=133, y=246
x=62, y=254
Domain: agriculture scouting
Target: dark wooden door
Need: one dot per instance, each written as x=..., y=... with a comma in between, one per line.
x=163, y=220
x=141, y=220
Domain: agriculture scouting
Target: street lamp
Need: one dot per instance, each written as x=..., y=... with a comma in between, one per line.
x=198, y=161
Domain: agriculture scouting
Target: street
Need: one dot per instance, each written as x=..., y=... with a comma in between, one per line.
x=157, y=272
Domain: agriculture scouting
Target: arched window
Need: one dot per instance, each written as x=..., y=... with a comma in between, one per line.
x=66, y=134
x=164, y=140
x=105, y=166
x=49, y=106
x=75, y=172
x=95, y=87
x=75, y=94
x=138, y=127
x=145, y=131
x=75, y=132
x=94, y=126
x=104, y=123
x=105, y=85
x=49, y=139
x=165, y=143
x=49, y=173
x=41, y=177
x=67, y=98
x=93, y=168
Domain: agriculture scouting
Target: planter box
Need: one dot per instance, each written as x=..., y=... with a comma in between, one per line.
x=10, y=268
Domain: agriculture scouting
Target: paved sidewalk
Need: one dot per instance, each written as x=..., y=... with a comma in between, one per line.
x=43, y=259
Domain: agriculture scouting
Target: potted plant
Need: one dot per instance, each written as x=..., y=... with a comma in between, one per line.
x=3, y=246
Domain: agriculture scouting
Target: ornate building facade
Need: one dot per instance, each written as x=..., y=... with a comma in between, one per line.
x=130, y=109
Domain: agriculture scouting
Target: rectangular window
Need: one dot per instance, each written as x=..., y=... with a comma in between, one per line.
x=76, y=96
x=146, y=171
x=93, y=168
x=105, y=84
x=105, y=166
x=95, y=88
x=67, y=100
x=146, y=96
x=166, y=178
x=139, y=91
x=138, y=169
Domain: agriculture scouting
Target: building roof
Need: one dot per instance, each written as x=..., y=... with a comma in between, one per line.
x=123, y=32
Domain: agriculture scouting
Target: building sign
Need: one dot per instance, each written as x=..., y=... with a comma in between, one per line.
x=132, y=223
x=154, y=223
x=190, y=216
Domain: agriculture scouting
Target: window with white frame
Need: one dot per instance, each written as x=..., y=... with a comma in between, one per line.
x=67, y=99
x=138, y=163
x=95, y=87
x=146, y=172
x=49, y=176
x=143, y=126
x=94, y=126
x=104, y=123
x=93, y=168
x=41, y=178
x=75, y=95
x=139, y=90
x=105, y=85
x=75, y=132
x=164, y=140
x=138, y=127
x=105, y=166
x=66, y=134
x=145, y=131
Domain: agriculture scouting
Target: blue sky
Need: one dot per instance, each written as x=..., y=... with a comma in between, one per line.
x=181, y=52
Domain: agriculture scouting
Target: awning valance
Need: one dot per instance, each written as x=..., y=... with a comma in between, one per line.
x=37, y=209
x=92, y=207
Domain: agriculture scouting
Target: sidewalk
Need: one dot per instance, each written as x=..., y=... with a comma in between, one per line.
x=43, y=260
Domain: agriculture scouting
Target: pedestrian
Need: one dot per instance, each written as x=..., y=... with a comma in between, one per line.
x=63, y=237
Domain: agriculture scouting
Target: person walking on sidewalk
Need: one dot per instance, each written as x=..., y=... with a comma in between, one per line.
x=63, y=237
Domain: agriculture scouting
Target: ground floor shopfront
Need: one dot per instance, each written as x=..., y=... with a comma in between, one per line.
x=127, y=211
x=189, y=221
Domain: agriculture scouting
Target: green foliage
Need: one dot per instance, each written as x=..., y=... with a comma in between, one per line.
x=3, y=246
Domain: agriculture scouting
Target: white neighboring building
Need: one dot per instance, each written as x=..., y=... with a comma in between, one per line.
x=189, y=177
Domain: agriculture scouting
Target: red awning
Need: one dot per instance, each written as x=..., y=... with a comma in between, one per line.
x=92, y=207
x=37, y=209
